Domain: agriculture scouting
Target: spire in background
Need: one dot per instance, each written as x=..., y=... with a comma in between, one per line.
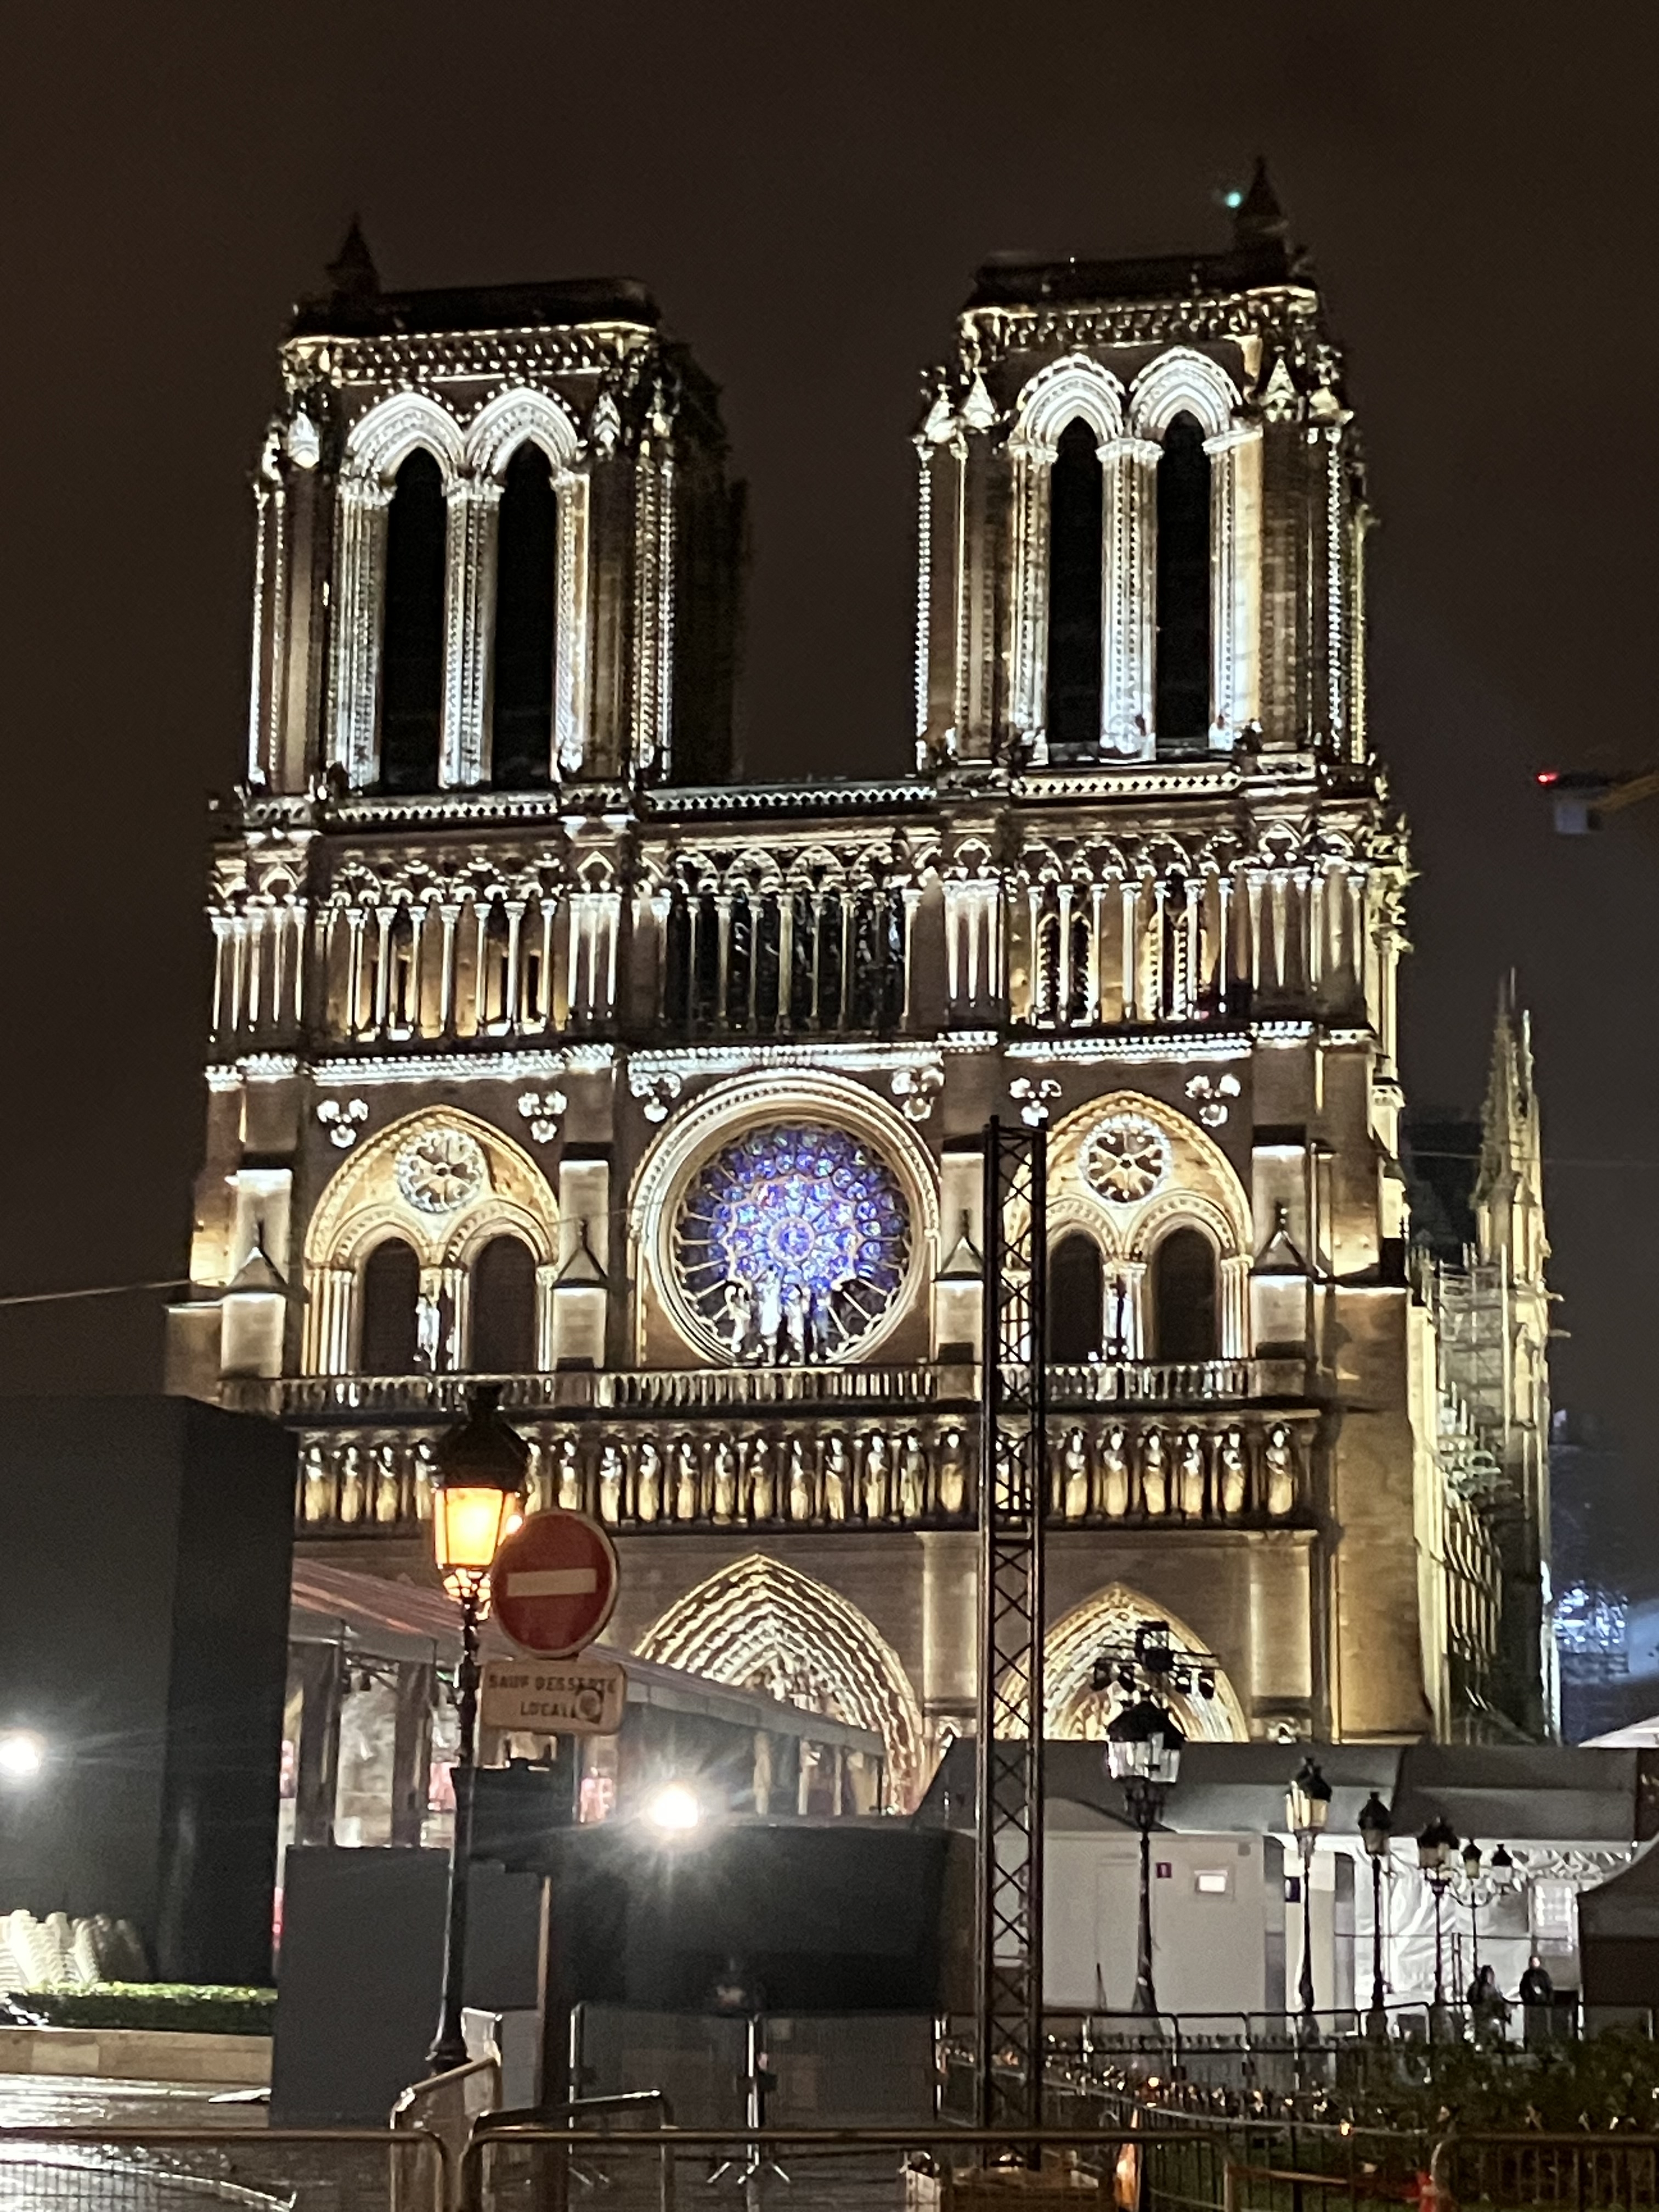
x=352, y=272
x=1509, y=1192
x=1259, y=218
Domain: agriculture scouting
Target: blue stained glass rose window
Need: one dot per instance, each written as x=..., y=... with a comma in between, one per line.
x=792, y=1243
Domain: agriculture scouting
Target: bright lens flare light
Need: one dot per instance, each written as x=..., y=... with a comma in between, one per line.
x=674, y=1810
x=21, y=1754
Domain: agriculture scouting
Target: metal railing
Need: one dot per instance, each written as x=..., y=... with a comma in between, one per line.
x=1572, y=2171
x=108, y=2167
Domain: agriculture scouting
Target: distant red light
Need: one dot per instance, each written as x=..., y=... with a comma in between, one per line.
x=1547, y=775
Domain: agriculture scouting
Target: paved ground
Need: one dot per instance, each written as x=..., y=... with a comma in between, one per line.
x=73, y=2100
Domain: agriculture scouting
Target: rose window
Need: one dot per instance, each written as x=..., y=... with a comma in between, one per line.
x=1127, y=1161
x=792, y=1243
x=441, y=1171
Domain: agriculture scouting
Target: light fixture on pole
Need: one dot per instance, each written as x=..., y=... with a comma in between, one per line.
x=1143, y=1753
x=1477, y=1888
x=1375, y=1827
x=1435, y=1849
x=479, y=1470
x=1307, y=1810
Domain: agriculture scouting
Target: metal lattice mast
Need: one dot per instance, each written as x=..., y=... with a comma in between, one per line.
x=1012, y=1495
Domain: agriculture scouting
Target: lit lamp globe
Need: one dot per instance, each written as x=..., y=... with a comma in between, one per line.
x=1375, y=1826
x=1144, y=1746
x=479, y=1472
x=1500, y=1869
x=1435, y=1846
x=1308, y=1804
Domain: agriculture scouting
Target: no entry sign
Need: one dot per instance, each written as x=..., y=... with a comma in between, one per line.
x=554, y=1583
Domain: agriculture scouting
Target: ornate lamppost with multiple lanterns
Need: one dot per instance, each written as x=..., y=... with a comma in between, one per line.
x=1477, y=1888
x=1143, y=1745
x=479, y=1471
x=1435, y=1849
x=1307, y=1810
x=1376, y=1828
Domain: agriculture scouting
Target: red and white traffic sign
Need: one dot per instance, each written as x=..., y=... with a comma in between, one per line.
x=554, y=1583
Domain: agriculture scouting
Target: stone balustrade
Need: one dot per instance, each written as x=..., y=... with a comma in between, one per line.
x=888, y=1467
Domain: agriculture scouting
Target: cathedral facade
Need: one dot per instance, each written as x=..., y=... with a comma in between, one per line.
x=543, y=1049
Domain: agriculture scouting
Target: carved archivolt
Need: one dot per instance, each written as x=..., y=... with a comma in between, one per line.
x=445, y=1181
x=1073, y=1708
x=1198, y=1185
x=759, y=1624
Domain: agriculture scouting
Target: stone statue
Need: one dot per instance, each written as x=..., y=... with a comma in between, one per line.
x=352, y=1483
x=769, y=1316
x=837, y=1471
x=610, y=1483
x=1280, y=1457
x=796, y=1315
x=1231, y=1472
x=429, y=1331
x=913, y=1478
x=875, y=1477
x=1154, y=1476
x=800, y=1482
x=387, y=1501
x=1114, y=1475
x=319, y=1486
x=686, y=1500
x=953, y=1475
x=569, y=1467
x=1189, y=1474
x=763, y=1485
x=1074, y=1477
x=725, y=1480
x=648, y=1482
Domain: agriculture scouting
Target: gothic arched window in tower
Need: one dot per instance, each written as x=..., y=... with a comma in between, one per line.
x=792, y=1243
x=1181, y=700
x=526, y=564
x=412, y=645
x=402, y=1005
x=495, y=956
x=1077, y=1300
x=504, y=1308
x=1075, y=588
x=1184, y=1318
x=391, y=1295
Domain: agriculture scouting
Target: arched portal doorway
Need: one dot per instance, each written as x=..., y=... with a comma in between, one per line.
x=761, y=1625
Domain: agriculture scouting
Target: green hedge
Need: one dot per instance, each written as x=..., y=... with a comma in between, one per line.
x=180, y=2007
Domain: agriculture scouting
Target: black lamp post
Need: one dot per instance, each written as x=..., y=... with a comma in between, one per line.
x=1478, y=1890
x=1307, y=1809
x=1143, y=1752
x=1375, y=1826
x=1435, y=1848
x=479, y=1469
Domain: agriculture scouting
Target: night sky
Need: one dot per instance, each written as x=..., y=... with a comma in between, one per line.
x=808, y=191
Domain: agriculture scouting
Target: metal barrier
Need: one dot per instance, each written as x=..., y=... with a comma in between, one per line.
x=539, y=2168
x=111, y=2168
x=447, y=2105
x=1610, y=2172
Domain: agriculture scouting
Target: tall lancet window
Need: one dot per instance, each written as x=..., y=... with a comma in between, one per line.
x=1075, y=589
x=1182, y=704
x=527, y=542
x=412, y=650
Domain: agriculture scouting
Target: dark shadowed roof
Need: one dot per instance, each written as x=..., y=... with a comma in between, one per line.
x=1018, y=280
x=364, y=311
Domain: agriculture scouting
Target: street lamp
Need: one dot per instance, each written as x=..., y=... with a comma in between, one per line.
x=479, y=1469
x=1435, y=1847
x=1375, y=1826
x=1476, y=1891
x=1307, y=1809
x=1143, y=1752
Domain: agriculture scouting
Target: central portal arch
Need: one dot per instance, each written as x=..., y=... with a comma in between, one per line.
x=761, y=1625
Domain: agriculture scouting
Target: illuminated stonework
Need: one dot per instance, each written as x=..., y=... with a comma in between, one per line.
x=541, y=1049
x=440, y=1172
x=792, y=1242
x=1128, y=1161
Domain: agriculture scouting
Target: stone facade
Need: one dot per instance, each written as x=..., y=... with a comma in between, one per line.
x=662, y=1095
